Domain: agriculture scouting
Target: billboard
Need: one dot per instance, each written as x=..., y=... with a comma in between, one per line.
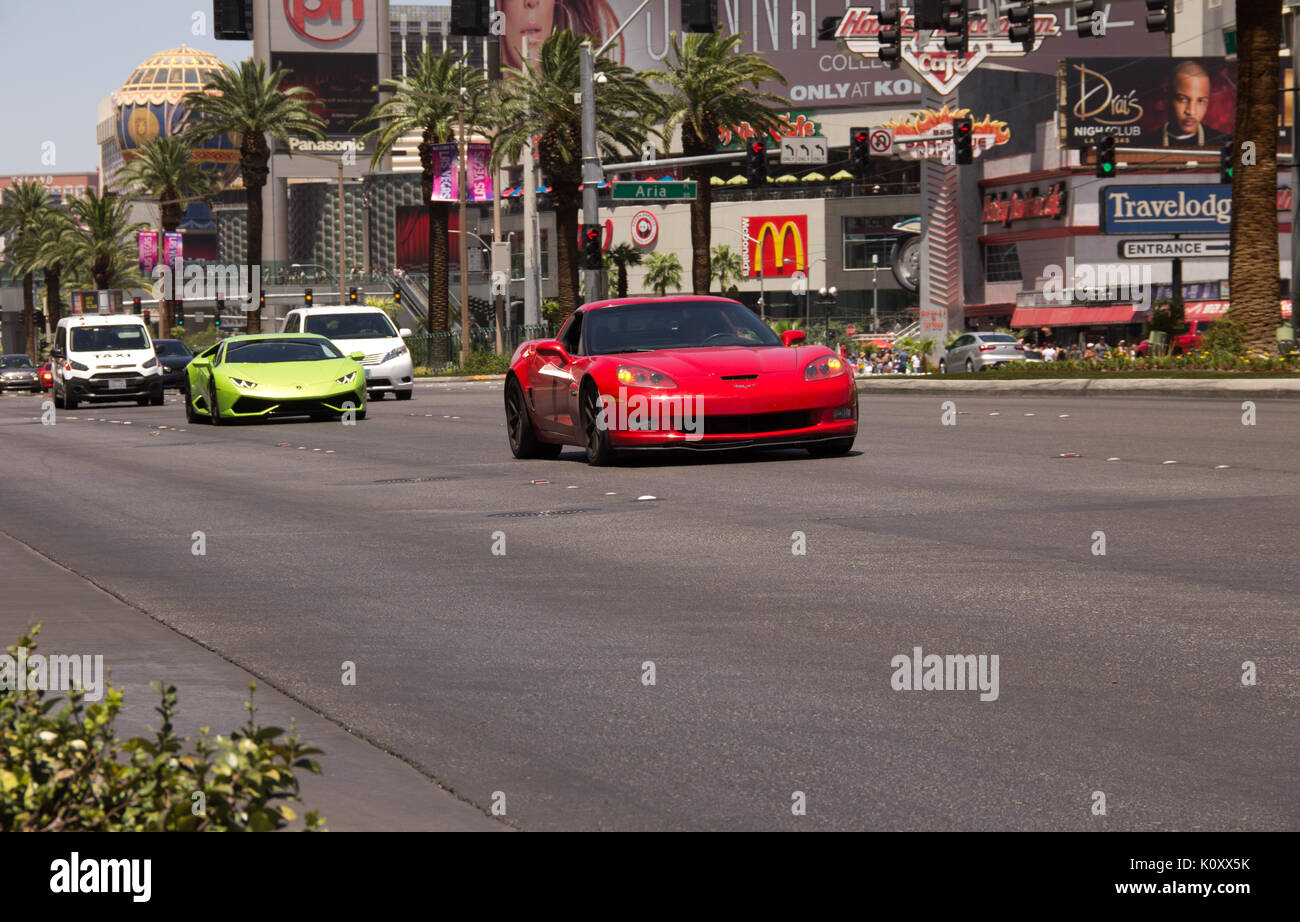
x=1174, y=209
x=343, y=84
x=446, y=169
x=1145, y=102
x=147, y=251
x=788, y=249
x=326, y=25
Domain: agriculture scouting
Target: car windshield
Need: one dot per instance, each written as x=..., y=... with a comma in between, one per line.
x=110, y=338
x=368, y=325
x=262, y=351
x=170, y=347
x=15, y=361
x=674, y=325
x=998, y=338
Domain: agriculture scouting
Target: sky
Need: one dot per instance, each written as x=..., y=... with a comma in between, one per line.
x=58, y=58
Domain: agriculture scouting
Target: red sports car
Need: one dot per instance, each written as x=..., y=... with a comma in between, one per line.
x=681, y=372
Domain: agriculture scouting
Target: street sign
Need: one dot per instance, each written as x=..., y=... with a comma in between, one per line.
x=803, y=150
x=881, y=141
x=1173, y=249
x=850, y=330
x=654, y=191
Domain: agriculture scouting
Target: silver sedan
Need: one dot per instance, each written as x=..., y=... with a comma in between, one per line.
x=977, y=351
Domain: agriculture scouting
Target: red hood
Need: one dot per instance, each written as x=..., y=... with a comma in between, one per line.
x=685, y=365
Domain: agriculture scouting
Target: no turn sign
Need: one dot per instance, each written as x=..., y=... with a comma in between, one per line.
x=881, y=140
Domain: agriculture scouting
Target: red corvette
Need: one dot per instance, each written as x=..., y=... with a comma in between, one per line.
x=683, y=372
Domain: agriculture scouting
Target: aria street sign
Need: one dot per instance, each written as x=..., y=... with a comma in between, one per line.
x=1173, y=249
x=654, y=191
x=803, y=150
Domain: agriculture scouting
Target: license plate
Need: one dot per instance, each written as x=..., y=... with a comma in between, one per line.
x=116, y=384
x=367, y=372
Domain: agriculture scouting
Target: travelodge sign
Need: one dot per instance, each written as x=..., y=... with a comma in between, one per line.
x=942, y=69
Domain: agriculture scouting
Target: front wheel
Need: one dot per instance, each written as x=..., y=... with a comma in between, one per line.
x=404, y=395
x=595, y=436
x=943, y=367
x=970, y=366
x=190, y=415
x=157, y=399
x=524, y=443
x=214, y=411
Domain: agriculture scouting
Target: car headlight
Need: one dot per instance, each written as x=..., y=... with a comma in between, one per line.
x=151, y=362
x=400, y=350
x=348, y=378
x=636, y=376
x=242, y=383
x=70, y=365
x=827, y=366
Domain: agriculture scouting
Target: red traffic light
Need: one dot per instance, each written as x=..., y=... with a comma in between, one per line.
x=964, y=127
x=757, y=147
x=593, y=234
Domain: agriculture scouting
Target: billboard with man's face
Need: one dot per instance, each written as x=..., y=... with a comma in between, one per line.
x=1146, y=102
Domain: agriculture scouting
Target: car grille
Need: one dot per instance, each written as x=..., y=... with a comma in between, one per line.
x=106, y=375
x=748, y=423
x=373, y=359
x=296, y=407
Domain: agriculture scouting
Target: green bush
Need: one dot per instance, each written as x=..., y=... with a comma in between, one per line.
x=551, y=310
x=1224, y=338
x=62, y=768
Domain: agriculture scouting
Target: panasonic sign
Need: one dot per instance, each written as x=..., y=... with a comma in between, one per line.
x=1166, y=209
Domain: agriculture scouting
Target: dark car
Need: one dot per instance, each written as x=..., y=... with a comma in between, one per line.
x=174, y=356
x=17, y=373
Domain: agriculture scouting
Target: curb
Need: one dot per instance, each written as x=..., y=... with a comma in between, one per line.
x=1285, y=388
x=459, y=379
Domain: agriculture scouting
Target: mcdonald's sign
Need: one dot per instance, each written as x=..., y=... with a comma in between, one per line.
x=770, y=240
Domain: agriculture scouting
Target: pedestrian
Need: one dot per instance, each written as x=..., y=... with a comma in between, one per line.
x=916, y=363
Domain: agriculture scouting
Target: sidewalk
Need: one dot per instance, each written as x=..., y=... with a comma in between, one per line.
x=362, y=788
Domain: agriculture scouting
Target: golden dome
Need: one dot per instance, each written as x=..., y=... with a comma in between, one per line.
x=167, y=76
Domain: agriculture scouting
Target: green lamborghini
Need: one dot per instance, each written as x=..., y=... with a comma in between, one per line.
x=274, y=374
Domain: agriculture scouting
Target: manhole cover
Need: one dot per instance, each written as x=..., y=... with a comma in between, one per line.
x=543, y=513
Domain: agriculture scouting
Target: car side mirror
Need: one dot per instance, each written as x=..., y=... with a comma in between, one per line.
x=356, y=356
x=793, y=337
x=404, y=332
x=201, y=361
x=551, y=348
x=56, y=353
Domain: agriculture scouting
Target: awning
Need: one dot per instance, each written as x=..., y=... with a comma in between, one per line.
x=997, y=309
x=1111, y=314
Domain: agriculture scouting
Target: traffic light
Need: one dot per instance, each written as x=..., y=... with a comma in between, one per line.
x=1106, y=157
x=179, y=307
x=306, y=296
x=699, y=16
x=592, y=257
x=955, y=24
x=1160, y=16
x=136, y=303
x=397, y=296
x=963, y=140
x=352, y=296
x=1087, y=19
x=146, y=318
x=859, y=152
x=1225, y=163
x=232, y=19
x=261, y=302
x=756, y=162
x=469, y=17
x=1022, y=25
x=889, y=36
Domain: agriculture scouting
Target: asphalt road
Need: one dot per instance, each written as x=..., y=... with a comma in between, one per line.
x=523, y=674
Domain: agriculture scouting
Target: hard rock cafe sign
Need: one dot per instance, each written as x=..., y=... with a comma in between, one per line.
x=942, y=69
x=927, y=135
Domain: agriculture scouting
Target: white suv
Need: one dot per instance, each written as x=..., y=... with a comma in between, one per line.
x=104, y=357
x=368, y=330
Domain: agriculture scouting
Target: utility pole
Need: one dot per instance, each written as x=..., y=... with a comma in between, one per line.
x=343, y=297
x=1295, y=174
x=464, y=223
x=591, y=174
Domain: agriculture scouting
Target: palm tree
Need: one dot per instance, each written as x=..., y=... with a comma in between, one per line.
x=164, y=169
x=540, y=100
x=50, y=250
x=714, y=85
x=428, y=100
x=663, y=271
x=619, y=258
x=24, y=209
x=249, y=104
x=726, y=267
x=1252, y=267
x=101, y=248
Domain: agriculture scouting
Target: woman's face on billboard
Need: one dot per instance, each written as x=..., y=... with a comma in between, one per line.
x=530, y=19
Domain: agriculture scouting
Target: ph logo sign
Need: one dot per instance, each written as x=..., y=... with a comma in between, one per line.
x=325, y=20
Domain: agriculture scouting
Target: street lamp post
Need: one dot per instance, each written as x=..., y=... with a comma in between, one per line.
x=875, y=293
x=827, y=297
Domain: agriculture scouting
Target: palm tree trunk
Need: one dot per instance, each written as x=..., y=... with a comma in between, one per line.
x=29, y=312
x=170, y=218
x=701, y=229
x=253, y=158
x=622, y=280
x=53, y=282
x=567, y=256
x=1253, y=264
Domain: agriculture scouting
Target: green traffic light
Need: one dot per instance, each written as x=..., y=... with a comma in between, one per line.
x=1108, y=167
